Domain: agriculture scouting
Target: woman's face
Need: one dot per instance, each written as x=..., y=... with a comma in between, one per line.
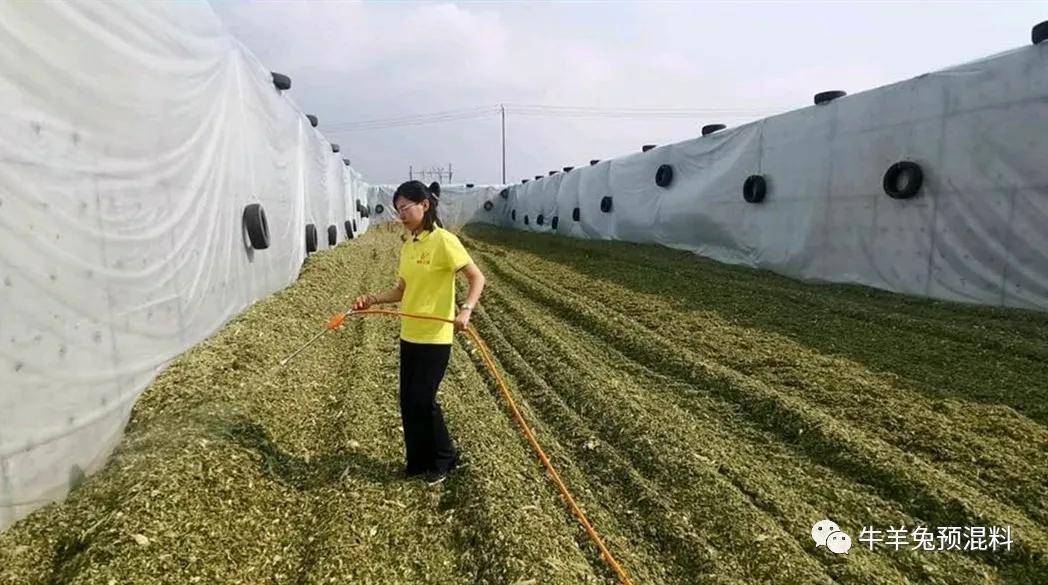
x=410, y=213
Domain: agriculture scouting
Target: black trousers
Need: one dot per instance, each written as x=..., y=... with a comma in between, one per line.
x=427, y=444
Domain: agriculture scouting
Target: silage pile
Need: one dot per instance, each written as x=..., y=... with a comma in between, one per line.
x=705, y=417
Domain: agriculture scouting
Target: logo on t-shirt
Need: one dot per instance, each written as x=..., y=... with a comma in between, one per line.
x=423, y=258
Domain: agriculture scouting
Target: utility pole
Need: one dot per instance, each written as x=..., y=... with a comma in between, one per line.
x=411, y=173
x=503, y=108
x=449, y=172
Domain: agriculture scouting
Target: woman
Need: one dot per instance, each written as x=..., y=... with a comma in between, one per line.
x=429, y=261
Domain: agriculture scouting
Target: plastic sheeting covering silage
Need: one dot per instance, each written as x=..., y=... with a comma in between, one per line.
x=132, y=136
x=457, y=205
x=976, y=232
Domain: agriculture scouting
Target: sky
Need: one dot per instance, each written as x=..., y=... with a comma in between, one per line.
x=720, y=62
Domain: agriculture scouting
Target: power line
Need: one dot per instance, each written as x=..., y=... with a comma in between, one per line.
x=633, y=115
x=415, y=120
x=414, y=116
x=593, y=112
x=641, y=110
x=541, y=110
x=534, y=110
x=361, y=128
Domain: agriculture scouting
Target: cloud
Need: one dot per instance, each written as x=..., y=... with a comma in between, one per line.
x=361, y=61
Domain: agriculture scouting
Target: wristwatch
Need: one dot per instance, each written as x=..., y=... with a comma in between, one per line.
x=465, y=306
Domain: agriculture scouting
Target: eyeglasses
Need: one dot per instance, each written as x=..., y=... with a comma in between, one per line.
x=403, y=208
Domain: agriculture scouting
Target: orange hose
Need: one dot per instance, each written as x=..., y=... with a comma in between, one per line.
x=336, y=321
x=528, y=433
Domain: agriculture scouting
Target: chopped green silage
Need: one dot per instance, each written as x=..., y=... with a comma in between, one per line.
x=705, y=416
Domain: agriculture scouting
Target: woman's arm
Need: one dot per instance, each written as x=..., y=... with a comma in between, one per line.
x=476, y=283
x=476, y=286
x=392, y=295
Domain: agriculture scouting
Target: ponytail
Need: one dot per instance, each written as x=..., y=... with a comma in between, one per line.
x=434, y=198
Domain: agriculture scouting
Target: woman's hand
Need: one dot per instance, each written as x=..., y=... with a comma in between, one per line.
x=363, y=302
x=462, y=320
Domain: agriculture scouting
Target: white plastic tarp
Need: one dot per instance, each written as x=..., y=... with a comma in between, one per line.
x=457, y=206
x=976, y=232
x=132, y=136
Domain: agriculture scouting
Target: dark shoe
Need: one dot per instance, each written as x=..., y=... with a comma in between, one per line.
x=406, y=473
x=435, y=477
x=455, y=462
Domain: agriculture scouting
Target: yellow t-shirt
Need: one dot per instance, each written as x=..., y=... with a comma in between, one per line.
x=428, y=265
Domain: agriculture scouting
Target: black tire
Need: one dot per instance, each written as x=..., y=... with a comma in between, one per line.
x=568, y=169
x=575, y=214
x=488, y=205
x=825, y=97
x=360, y=207
x=335, y=148
x=525, y=220
x=522, y=181
x=313, y=120
x=1039, y=34
x=345, y=161
x=538, y=177
x=605, y=204
x=256, y=225
x=513, y=215
x=711, y=128
x=903, y=180
x=332, y=235
x=281, y=81
x=551, y=173
x=311, y=238
x=539, y=220
x=664, y=176
x=354, y=226
x=379, y=209
x=594, y=161
x=754, y=189
x=469, y=185
x=553, y=222
x=647, y=147
x=349, y=230
x=504, y=193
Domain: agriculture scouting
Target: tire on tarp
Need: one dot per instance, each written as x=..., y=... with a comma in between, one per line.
x=903, y=180
x=754, y=189
x=256, y=225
